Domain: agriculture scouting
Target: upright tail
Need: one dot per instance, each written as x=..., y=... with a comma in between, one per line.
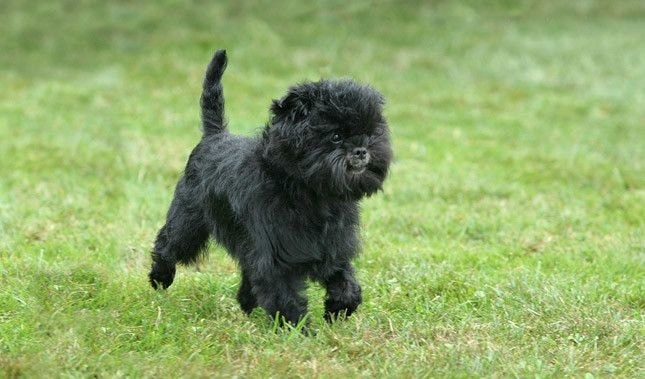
x=212, y=100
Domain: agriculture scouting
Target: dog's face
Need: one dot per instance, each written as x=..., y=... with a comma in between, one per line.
x=332, y=136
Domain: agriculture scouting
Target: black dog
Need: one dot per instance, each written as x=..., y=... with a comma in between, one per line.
x=284, y=204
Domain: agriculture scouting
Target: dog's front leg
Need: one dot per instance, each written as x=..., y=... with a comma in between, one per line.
x=343, y=294
x=280, y=294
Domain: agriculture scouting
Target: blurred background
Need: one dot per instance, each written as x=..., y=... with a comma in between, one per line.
x=486, y=100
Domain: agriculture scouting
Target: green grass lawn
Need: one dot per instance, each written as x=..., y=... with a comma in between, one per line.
x=508, y=241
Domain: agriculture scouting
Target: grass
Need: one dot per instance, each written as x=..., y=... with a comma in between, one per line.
x=508, y=241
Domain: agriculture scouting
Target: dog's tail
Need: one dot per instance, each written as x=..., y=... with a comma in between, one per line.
x=212, y=100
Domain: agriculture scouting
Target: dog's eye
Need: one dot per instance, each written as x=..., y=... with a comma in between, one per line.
x=336, y=138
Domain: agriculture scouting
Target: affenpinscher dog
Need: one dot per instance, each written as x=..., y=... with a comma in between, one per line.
x=284, y=204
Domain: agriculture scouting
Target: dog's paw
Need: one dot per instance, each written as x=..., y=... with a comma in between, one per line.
x=161, y=278
x=343, y=298
x=339, y=310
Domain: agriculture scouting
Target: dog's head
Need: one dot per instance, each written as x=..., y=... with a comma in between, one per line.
x=331, y=136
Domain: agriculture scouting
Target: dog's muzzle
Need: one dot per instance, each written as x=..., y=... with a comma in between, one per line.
x=357, y=160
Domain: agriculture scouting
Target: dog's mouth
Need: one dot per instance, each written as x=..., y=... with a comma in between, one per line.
x=356, y=168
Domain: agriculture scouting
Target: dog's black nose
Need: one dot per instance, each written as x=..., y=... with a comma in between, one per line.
x=359, y=152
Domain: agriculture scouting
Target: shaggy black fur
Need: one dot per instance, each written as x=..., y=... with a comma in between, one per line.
x=284, y=204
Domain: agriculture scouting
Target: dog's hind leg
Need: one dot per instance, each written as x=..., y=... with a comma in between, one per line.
x=163, y=262
x=180, y=240
x=245, y=296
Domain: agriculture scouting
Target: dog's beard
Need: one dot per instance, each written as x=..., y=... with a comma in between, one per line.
x=333, y=174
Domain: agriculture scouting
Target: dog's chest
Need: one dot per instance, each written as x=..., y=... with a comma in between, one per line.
x=312, y=234
x=335, y=231
x=331, y=222
x=328, y=219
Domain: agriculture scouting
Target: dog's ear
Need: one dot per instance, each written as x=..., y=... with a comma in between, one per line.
x=292, y=107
